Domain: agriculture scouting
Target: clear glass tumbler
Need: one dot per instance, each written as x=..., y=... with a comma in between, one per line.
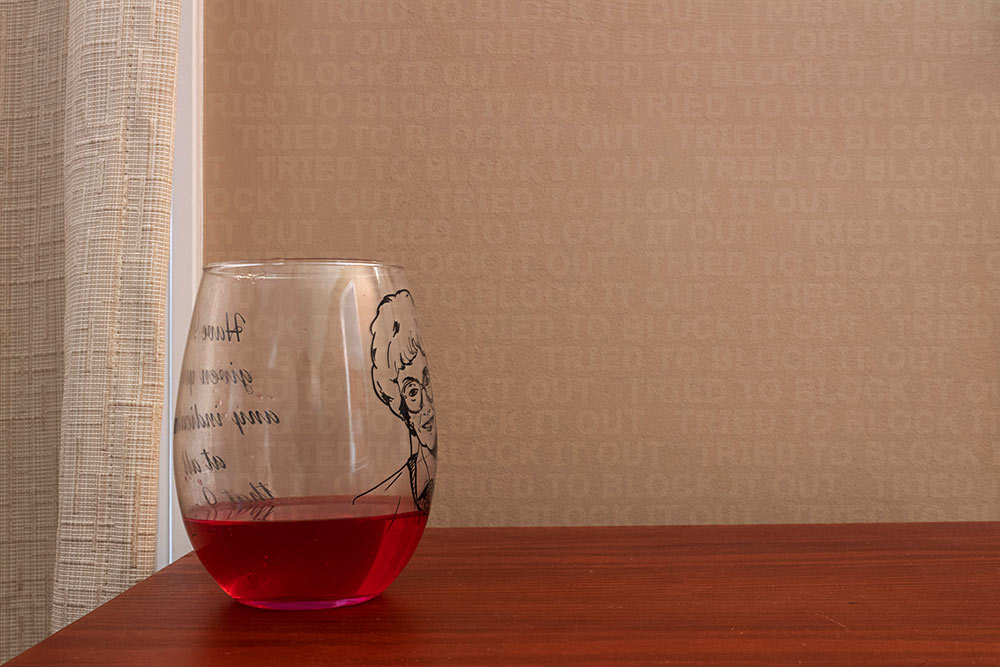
x=305, y=439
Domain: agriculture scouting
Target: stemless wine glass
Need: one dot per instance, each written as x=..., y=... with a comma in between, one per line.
x=305, y=443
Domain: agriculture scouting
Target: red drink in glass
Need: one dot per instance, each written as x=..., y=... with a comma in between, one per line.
x=306, y=553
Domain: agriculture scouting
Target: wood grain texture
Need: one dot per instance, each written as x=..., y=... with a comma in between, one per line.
x=894, y=594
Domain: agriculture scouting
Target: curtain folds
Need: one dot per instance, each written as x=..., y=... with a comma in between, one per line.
x=87, y=98
x=32, y=76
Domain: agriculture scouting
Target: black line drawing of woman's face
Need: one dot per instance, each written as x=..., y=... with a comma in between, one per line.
x=417, y=401
x=401, y=381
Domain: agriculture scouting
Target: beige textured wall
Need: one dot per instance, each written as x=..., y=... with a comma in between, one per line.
x=677, y=262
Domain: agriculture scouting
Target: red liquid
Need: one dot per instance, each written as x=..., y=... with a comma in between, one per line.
x=306, y=553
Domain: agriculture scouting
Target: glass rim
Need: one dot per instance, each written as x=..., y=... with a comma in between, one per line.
x=299, y=261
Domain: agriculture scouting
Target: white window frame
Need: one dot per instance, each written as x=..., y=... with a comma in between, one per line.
x=185, y=264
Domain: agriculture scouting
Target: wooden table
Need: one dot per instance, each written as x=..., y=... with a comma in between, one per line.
x=895, y=594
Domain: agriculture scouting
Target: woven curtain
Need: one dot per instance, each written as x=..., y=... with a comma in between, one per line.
x=86, y=130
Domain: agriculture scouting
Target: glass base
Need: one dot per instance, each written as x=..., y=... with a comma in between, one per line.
x=302, y=605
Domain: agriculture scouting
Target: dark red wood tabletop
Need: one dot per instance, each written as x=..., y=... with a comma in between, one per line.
x=892, y=594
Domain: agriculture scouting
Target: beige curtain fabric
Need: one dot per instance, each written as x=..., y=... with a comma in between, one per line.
x=87, y=98
x=32, y=72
